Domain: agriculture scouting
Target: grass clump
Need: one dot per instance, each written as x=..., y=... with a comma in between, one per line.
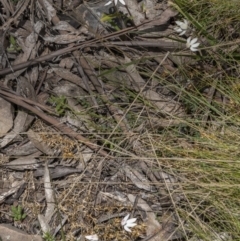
x=204, y=150
x=18, y=213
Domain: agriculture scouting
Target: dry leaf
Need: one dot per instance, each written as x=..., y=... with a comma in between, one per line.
x=165, y=104
x=14, y=189
x=138, y=82
x=38, y=142
x=67, y=75
x=138, y=179
x=43, y=224
x=57, y=171
x=50, y=10
x=152, y=11
x=65, y=26
x=66, y=63
x=119, y=198
x=64, y=39
x=159, y=20
x=152, y=224
x=19, y=126
x=23, y=163
x=22, y=150
x=6, y=117
x=49, y=194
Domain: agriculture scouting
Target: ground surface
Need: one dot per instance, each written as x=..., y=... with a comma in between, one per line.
x=114, y=110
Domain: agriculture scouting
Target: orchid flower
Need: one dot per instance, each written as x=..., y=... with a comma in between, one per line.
x=115, y=2
x=128, y=223
x=182, y=27
x=192, y=44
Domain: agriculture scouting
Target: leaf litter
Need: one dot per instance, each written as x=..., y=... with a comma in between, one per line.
x=79, y=134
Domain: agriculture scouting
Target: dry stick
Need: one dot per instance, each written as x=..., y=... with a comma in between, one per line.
x=85, y=80
x=165, y=45
x=43, y=77
x=11, y=94
x=61, y=127
x=68, y=50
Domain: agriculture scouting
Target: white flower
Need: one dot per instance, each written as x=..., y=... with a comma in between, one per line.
x=192, y=44
x=115, y=2
x=182, y=27
x=128, y=223
x=93, y=237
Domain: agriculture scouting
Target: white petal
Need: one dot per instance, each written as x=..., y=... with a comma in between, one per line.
x=108, y=3
x=182, y=33
x=185, y=21
x=179, y=23
x=178, y=29
x=185, y=25
x=132, y=220
x=189, y=39
x=124, y=220
x=193, y=49
x=93, y=237
x=115, y=1
x=188, y=44
x=193, y=41
x=195, y=45
x=127, y=229
x=131, y=224
x=122, y=2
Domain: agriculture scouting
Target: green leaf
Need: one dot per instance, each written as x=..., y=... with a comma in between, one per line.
x=12, y=40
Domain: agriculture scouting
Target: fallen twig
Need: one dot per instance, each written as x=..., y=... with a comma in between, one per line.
x=11, y=94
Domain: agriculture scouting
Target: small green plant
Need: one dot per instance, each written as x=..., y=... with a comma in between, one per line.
x=60, y=104
x=48, y=236
x=18, y=213
x=15, y=1
x=13, y=45
x=112, y=19
x=116, y=20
